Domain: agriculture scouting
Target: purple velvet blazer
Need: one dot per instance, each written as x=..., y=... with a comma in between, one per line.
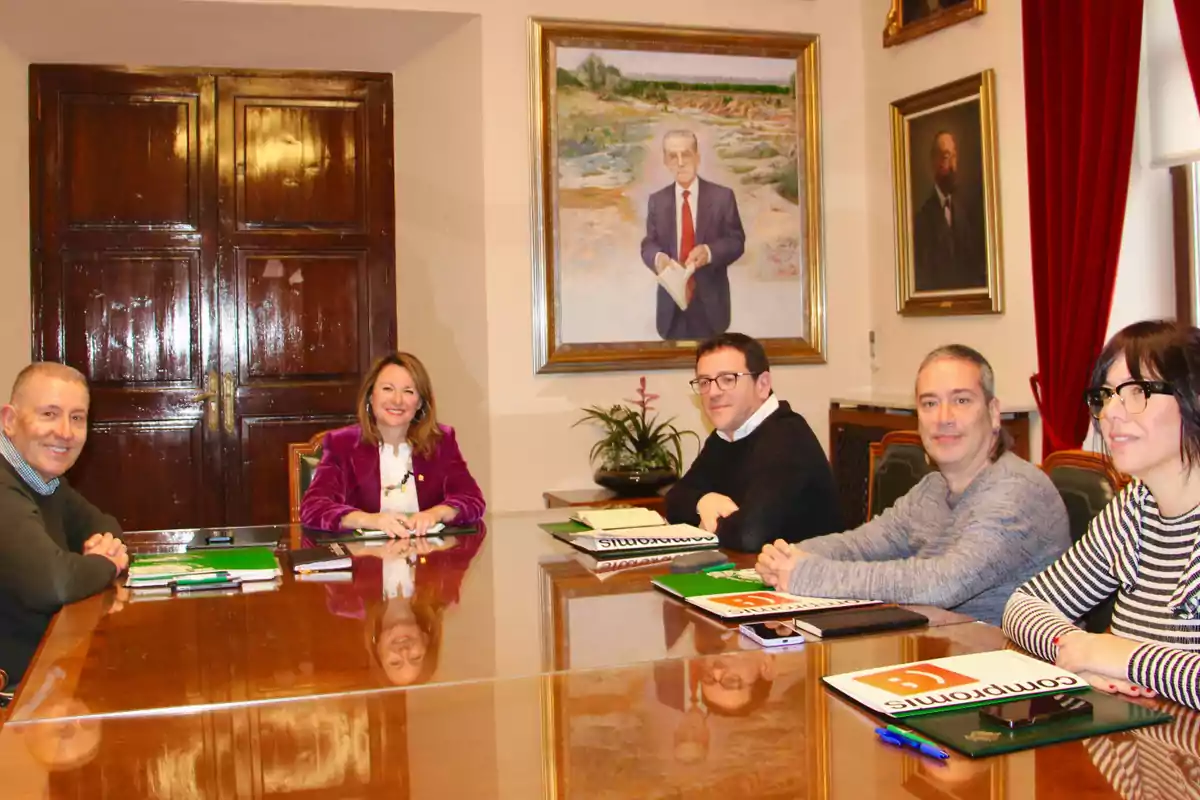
x=347, y=479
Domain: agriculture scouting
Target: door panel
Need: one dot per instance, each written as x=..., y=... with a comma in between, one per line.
x=125, y=284
x=215, y=251
x=307, y=250
x=302, y=165
x=128, y=318
x=149, y=150
x=265, y=441
x=137, y=462
x=304, y=314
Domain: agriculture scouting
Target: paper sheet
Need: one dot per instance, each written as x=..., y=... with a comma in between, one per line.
x=674, y=279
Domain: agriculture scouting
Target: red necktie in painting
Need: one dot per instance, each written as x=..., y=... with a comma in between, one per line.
x=686, y=242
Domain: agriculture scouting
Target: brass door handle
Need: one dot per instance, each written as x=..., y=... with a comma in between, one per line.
x=227, y=395
x=209, y=398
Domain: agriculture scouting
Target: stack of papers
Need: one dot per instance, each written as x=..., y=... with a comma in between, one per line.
x=322, y=558
x=369, y=533
x=740, y=594
x=617, y=519
x=242, y=564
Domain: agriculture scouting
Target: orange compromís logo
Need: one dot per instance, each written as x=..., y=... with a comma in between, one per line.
x=749, y=600
x=915, y=679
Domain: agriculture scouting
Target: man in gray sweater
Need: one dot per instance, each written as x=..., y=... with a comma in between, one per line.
x=964, y=537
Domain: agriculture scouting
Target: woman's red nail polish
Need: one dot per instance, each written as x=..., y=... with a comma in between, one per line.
x=1112, y=686
x=1054, y=641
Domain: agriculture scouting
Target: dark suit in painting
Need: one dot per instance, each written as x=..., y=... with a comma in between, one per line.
x=949, y=255
x=919, y=9
x=719, y=226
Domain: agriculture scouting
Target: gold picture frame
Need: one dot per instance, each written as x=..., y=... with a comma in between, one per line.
x=911, y=19
x=946, y=197
x=606, y=101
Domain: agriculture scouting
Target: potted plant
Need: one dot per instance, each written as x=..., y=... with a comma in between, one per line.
x=637, y=455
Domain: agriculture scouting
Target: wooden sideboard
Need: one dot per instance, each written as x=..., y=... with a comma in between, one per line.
x=854, y=423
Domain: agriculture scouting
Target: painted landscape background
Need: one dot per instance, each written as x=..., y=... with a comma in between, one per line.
x=612, y=109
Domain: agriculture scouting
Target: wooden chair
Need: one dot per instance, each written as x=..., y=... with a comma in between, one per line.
x=302, y=463
x=1087, y=483
x=896, y=464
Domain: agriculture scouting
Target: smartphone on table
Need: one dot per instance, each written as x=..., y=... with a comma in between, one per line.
x=772, y=634
x=1036, y=710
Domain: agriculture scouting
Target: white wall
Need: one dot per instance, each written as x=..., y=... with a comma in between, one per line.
x=14, y=217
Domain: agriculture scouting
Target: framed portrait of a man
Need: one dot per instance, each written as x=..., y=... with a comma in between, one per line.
x=910, y=19
x=944, y=165
x=676, y=194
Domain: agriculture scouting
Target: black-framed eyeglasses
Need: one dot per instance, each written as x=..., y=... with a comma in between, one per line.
x=724, y=381
x=1132, y=394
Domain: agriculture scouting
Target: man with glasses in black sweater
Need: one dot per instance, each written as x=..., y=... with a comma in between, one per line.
x=761, y=474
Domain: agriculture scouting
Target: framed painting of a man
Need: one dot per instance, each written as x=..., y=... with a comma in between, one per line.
x=948, y=258
x=910, y=19
x=676, y=196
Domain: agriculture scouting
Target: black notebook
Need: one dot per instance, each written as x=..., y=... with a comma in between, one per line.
x=321, y=558
x=828, y=624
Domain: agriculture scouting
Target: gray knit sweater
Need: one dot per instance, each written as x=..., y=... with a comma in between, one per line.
x=967, y=553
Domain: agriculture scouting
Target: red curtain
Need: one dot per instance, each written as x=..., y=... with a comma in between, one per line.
x=1188, y=12
x=1081, y=76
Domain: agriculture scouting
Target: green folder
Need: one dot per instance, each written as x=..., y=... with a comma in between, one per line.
x=249, y=562
x=570, y=526
x=698, y=584
x=969, y=733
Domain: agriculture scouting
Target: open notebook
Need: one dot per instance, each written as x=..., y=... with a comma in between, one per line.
x=604, y=519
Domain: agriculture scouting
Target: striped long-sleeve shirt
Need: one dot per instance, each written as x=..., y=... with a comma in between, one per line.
x=1153, y=563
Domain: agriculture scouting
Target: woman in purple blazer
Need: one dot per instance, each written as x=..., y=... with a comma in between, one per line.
x=397, y=470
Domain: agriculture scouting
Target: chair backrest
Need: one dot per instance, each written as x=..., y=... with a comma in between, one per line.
x=897, y=464
x=302, y=462
x=1087, y=483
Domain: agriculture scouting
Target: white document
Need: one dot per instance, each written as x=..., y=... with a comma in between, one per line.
x=674, y=279
x=941, y=683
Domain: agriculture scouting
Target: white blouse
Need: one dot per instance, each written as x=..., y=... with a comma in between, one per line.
x=398, y=485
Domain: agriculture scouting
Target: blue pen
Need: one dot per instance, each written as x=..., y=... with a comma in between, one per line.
x=900, y=740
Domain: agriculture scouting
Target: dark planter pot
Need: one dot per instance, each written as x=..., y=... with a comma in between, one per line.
x=635, y=483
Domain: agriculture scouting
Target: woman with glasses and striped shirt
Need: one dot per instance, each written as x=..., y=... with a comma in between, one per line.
x=1145, y=399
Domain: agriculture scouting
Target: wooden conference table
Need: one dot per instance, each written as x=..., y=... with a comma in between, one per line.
x=540, y=679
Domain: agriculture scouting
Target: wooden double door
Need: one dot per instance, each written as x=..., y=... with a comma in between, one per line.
x=215, y=251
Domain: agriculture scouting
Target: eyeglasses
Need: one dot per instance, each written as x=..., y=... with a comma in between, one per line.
x=724, y=381
x=1132, y=394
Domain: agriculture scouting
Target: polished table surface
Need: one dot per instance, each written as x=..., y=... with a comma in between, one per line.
x=546, y=681
x=629, y=731
x=510, y=601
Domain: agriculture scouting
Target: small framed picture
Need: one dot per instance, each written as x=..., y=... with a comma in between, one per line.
x=944, y=168
x=911, y=19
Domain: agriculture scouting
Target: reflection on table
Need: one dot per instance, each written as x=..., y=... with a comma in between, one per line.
x=494, y=665
x=630, y=731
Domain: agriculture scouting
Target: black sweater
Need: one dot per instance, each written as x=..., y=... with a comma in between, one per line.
x=41, y=566
x=778, y=476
